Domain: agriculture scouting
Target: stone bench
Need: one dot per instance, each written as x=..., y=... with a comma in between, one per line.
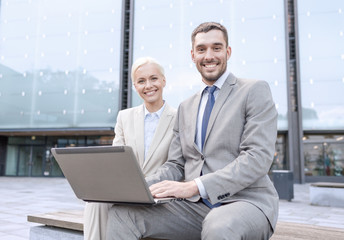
x=298, y=231
x=57, y=225
x=69, y=225
x=327, y=194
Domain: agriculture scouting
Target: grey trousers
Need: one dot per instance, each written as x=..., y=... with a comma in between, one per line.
x=183, y=220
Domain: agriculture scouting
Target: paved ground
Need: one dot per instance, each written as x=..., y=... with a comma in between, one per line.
x=20, y=197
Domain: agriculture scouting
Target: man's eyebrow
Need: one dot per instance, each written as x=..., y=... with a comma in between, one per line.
x=199, y=45
x=216, y=44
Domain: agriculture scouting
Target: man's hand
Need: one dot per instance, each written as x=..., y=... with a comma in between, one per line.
x=174, y=189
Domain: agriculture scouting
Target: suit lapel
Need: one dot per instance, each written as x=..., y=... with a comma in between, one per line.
x=139, y=133
x=221, y=99
x=193, y=117
x=160, y=132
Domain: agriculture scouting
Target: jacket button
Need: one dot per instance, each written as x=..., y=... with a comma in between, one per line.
x=202, y=157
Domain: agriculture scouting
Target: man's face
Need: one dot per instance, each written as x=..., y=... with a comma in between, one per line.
x=149, y=83
x=210, y=55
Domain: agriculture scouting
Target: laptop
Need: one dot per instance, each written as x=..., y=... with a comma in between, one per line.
x=108, y=174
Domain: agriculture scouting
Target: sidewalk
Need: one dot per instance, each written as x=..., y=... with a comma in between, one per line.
x=20, y=197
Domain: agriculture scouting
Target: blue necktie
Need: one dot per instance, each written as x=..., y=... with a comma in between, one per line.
x=205, y=120
x=207, y=111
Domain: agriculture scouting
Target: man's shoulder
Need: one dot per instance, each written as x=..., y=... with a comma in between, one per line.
x=252, y=87
x=248, y=82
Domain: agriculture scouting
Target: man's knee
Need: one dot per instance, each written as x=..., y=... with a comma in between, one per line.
x=219, y=224
x=219, y=228
x=214, y=227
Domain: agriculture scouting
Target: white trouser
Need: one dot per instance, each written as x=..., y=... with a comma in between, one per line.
x=95, y=219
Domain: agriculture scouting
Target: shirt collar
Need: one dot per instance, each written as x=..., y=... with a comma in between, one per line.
x=159, y=112
x=219, y=82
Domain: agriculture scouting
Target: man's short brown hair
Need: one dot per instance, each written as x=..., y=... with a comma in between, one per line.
x=206, y=27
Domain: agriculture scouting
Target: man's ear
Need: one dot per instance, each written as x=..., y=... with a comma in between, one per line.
x=229, y=52
x=192, y=55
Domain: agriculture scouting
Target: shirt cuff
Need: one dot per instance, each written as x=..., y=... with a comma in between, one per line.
x=201, y=188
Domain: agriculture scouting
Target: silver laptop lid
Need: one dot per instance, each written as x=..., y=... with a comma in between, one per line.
x=104, y=174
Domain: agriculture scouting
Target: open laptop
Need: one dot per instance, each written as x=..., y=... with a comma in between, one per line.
x=105, y=174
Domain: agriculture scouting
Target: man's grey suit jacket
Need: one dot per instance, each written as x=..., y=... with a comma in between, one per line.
x=238, y=149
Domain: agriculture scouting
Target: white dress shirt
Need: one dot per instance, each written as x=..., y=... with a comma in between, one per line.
x=151, y=122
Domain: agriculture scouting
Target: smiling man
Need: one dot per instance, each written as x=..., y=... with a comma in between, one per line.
x=222, y=149
x=210, y=54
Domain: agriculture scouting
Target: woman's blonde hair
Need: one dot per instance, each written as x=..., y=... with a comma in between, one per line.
x=142, y=61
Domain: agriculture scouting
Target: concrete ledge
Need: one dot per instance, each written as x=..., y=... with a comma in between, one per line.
x=72, y=220
x=327, y=194
x=53, y=233
x=298, y=231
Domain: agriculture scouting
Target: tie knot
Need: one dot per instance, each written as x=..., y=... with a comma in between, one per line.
x=211, y=89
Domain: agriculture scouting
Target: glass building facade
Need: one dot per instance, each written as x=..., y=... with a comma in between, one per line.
x=321, y=49
x=59, y=63
x=62, y=65
x=171, y=37
x=322, y=64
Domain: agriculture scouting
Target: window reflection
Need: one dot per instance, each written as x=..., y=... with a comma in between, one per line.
x=324, y=155
x=63, y=57
x=257, y=39
x=280, y=160
x=28, y=157
x=321, y=63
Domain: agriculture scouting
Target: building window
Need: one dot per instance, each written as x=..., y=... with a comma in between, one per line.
x=59, y=63
x=324, y=155
x=321, y=37
x=280, y=160
x=31, y=156
x=257, y=39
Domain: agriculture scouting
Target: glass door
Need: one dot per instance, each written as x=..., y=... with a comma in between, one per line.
x=37, y=160
x=30, y=161
x=24, y=161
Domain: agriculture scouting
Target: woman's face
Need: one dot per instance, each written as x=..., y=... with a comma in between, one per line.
x=149, y=83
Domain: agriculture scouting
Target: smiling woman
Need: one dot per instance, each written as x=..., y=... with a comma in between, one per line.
x=146, y=128
x=149, y=81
